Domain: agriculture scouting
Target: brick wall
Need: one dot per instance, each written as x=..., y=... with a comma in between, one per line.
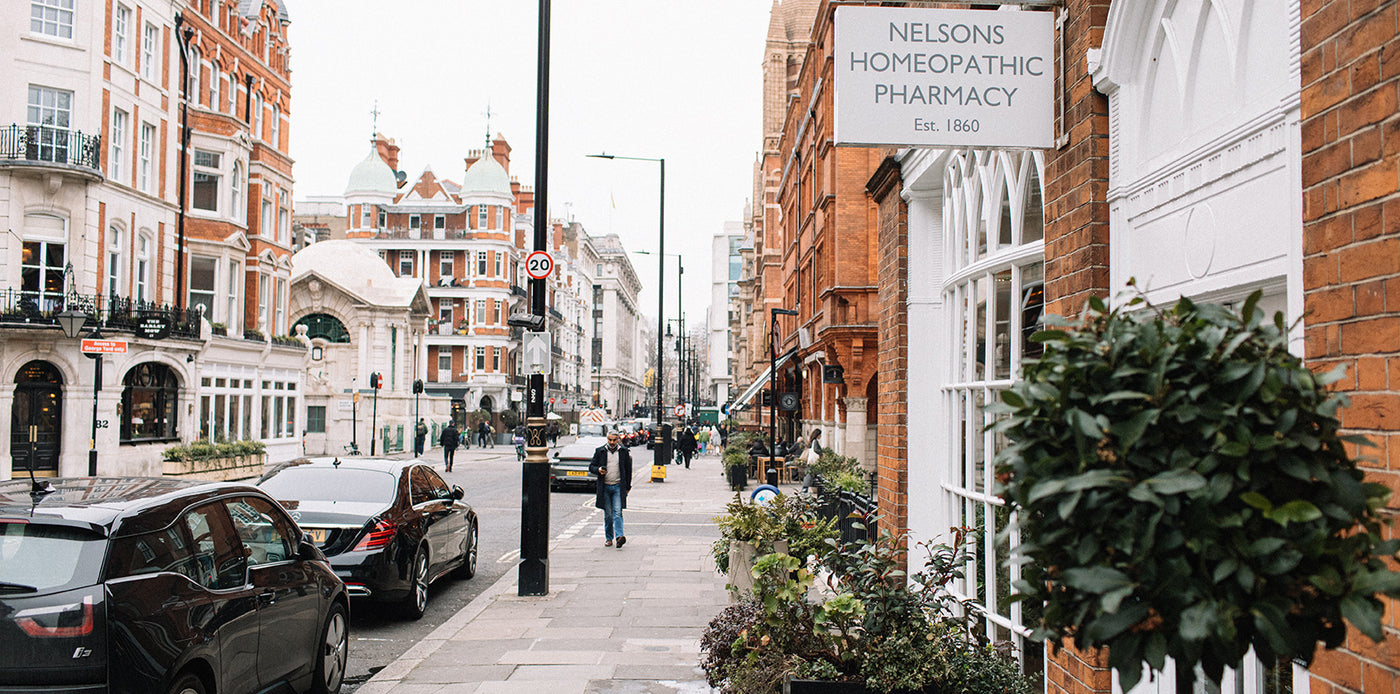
x=892, y=408
x=1351, y=263
x=1076, y=174
x=1076, y=247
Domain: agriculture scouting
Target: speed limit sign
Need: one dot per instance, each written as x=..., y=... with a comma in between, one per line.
x=538, y=265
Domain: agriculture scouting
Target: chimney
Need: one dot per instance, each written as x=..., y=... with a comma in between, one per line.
x=501, y=151
x=472, y=156
x=388, y=151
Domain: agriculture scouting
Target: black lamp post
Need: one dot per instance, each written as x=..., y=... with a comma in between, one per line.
x=72, y=322
x=773, y=376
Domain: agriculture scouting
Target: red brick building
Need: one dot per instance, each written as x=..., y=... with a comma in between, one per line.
x=1203, y=148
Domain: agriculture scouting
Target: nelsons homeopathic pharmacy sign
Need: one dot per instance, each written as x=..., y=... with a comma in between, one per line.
x=944, y=78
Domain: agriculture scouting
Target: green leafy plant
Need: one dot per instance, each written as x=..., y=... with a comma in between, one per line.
x=788, y=517
x=1238, y=518
x=204, y=449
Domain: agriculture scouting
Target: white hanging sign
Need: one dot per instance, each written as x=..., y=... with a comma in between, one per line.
x=944, y=78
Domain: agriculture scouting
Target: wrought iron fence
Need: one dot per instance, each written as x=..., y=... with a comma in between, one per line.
x=49, y=144
x=856, y=514
x=114, y=313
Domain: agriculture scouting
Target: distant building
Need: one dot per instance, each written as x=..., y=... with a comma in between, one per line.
x=726, y=269
x=618, y=362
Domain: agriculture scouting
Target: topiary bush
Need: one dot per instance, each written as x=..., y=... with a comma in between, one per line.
x=1183, y=490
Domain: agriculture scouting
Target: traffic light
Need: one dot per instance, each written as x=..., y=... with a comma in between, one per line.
x=375, y=381
x=417, y=386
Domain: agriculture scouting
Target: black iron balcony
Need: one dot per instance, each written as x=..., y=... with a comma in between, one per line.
x=114, y=314
x=517, y=290
x=43, y=145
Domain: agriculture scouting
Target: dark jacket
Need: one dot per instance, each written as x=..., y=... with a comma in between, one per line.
x=624, y=460
x=448, y=438
x=686, y=440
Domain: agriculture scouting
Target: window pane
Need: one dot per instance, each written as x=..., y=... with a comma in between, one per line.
x=204, y=194
x=1033, y=227
x=1001, y=351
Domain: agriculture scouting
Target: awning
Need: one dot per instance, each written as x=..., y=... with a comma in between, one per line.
x=762, y=381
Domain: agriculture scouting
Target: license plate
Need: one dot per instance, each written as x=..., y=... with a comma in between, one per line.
x=318, y=535
x=576, y=473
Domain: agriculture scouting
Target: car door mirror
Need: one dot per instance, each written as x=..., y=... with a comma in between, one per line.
x=307, y=550
x=457, y=492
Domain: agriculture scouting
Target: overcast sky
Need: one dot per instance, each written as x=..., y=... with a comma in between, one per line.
x=645, y=78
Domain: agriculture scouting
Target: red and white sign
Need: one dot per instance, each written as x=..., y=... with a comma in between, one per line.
x=104, y=346
x=680, y=410
x=538, y=265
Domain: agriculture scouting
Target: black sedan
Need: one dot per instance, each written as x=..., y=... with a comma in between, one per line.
x=389, y=527
x=162, y=585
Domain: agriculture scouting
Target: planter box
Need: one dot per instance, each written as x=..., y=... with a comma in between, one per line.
x=217, y=469
x=824, y=687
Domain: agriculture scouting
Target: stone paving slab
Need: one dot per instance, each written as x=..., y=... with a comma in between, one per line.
x=616, y=621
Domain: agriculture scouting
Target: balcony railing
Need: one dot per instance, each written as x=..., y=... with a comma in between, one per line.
x=119, y=314
x=418, y=233
x=47, y=144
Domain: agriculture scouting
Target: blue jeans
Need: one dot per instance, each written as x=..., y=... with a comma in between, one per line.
x=612, y=510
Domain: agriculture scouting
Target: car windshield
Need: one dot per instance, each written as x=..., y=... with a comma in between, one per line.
x=37, y=557
x=331, y=484
x=592, y=430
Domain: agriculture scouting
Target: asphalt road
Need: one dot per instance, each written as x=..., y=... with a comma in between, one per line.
x=491, y=479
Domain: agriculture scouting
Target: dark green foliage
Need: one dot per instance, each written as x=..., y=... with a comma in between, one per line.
x=1183, y=491
x=984, y=671
x=788, y=517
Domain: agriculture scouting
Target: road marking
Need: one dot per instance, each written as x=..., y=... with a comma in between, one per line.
x=509, y=557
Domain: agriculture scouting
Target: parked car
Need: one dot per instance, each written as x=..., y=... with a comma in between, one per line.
x=129, y=585
x=595, y=433
x=569, y=467
x=389, y=527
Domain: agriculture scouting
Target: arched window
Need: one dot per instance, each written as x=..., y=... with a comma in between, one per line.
x=324, y=326
x=150, y=395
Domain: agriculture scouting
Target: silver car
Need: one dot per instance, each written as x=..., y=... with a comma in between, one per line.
x=569, y=467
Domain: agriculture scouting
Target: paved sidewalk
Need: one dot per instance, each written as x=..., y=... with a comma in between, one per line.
x=621, y=621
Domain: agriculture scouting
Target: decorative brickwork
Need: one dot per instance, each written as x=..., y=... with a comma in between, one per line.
x=1076, y=174
x=1351, y=265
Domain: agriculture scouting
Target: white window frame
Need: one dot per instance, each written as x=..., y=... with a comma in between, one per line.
x=405, y=263
x=439, y=221
x=150, y=42
x=121, y=34
x=145, y=178
x=445, y=263
x=237, y=210
x=51, y=18
x=262, y=301
x=280, y=307
x=444, y=354
x=213, y=86
x=206, y=296
x=481, y=264
x=415, y=222
x=481, y=213
x=213, y=172
x=193, y=85
x=114, y=261
x=116, y=164
x=500, y=264
x=143, y=266
x=276, y=138
x=480, y=361
x=258, y=107
x=231, y=312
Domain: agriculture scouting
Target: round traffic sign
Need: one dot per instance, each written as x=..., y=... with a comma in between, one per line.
x=680, y=410
x=538, y=265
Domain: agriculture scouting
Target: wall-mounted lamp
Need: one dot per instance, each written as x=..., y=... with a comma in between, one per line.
x=189, y=358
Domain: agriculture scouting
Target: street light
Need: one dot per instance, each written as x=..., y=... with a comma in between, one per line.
x=72, y=322
x=660, y=277
x=773, y=379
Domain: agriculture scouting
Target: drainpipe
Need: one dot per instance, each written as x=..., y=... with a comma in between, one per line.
x=184, y=34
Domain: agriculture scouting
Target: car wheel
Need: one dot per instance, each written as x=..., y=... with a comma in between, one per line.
x=334, y=649
x=188, y=683
x=468, y=567
x=416, y=602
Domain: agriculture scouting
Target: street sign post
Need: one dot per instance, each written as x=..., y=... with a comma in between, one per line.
x=91, y=346
x=539, y=264
x=537, y=352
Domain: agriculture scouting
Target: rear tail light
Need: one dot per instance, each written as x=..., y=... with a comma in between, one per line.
x=378, y=537
x=57, y=621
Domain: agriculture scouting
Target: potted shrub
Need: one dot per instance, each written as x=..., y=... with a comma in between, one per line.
x=788, y=524
x=863, y=629
x=1239, y=518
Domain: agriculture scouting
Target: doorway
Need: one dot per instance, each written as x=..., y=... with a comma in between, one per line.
x=36, y=421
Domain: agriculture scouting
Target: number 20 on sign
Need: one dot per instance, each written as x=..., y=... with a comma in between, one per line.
x=538, y=265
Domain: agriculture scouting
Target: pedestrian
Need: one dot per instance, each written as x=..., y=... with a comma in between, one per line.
x=612, y=464
x=420, y=435
x=814, y=453
x=448, y=441
x=519, y=440
x=686, y=445
x=554, y=433
x=482, y=431
x=491, y=434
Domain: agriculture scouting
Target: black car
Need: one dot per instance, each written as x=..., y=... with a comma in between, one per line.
x=146, y=585
x=390, y=527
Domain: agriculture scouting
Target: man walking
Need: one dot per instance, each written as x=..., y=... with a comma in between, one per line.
x=448, y=441
x=613, y=466
x=420, y=436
